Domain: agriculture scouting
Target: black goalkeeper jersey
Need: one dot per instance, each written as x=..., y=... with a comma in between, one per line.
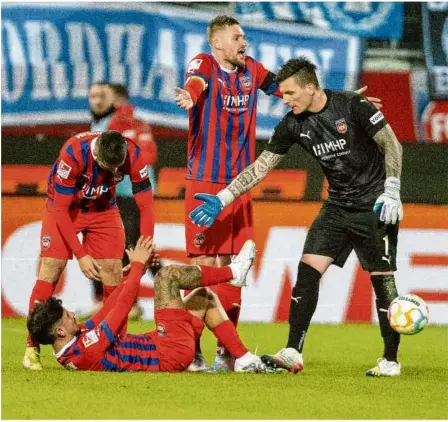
x=340, y=137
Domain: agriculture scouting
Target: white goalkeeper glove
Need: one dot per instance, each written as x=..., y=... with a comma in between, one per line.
x=388, y=204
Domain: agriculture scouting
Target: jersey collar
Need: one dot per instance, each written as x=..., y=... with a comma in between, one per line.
x=61, y=352
x=224, y=69
x=92, y=147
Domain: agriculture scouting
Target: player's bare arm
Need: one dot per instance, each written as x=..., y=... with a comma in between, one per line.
x=254, y=174
x=393, y=151
x=375, y=101
x=170, y=279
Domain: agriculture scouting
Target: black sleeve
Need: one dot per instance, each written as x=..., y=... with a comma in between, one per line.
x=269, y=85
x=367, y=116
x=281, y=140
x=141, y=187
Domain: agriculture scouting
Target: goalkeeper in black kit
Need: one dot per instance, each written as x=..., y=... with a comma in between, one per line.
x=361, y=158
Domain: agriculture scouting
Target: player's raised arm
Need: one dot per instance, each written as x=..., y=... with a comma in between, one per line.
x=206, y=213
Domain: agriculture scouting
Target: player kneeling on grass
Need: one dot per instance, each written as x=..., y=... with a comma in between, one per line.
x=97, y=344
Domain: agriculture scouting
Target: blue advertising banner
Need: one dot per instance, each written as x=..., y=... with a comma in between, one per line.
x=51, y=53
x=435, y=39
x=364, y=19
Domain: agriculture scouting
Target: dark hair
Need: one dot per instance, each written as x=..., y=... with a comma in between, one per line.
x=112, y=148
x=43, y=318
x=220, y=22
x=120, y=90
x=301, y=68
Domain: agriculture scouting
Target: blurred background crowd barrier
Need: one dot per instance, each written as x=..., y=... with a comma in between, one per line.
x=51, y=54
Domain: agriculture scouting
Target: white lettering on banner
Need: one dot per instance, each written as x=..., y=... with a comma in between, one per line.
x=164, y=67
x=194, y=44
x=132, y=56
x=261, y=299
x=37, y=33
x=17, y=58
x=77, y=32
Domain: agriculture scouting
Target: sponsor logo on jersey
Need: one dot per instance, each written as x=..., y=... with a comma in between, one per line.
x=332, y=148
x=235, y=102
x=341, y=125
x=93, y=192
x=199, y=240
x=144, y=172
x=194, y=65
x=64, y=169
x=161, y=330
x=90, y=338
x=246, y=82
x=46, y=241
x=306, y=135
x=377, y=117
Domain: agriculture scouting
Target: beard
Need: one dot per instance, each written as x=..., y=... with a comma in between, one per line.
x=99, y=116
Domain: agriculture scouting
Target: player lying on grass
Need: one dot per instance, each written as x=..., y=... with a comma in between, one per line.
x=98, y=345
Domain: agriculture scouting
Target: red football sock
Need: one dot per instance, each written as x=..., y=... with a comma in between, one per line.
x=212, y=275
x=234, y=316
x=107, y=291
x=227, y=334
x=42, y=290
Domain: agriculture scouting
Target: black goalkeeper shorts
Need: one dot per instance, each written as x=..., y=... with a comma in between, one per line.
x=337, y=231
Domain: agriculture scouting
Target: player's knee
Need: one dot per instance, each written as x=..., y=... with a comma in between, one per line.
x=51, y=269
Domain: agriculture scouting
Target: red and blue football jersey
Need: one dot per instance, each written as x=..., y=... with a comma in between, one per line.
x=222, y=123
x=99, y=347
x=76, y=173
x=99, y=350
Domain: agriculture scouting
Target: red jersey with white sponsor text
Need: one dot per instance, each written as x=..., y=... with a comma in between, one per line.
x=75, y=172
x=222, y=123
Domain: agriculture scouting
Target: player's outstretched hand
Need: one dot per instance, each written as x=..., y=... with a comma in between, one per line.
x=143, y=251
x=206, y=214
x=375, y=101
x=183, y=99
x=90, y=267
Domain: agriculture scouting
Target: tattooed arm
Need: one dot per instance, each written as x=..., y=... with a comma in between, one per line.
x=250, y=176
x=393, y=151
x=388, y=205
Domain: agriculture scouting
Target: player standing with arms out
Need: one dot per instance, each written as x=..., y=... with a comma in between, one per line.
x=220, y=93
x=97, y=345
x=361, y=158
x=81, y=198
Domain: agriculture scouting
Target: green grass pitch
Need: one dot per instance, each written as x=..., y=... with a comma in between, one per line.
x=332, y=385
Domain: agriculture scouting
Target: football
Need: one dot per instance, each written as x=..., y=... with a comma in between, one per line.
x=408, y=314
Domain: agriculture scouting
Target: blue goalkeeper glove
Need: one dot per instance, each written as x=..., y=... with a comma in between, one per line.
x=206, y=214
x=388, y=205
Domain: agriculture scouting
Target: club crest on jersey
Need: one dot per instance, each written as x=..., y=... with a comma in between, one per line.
x=199, y=240
x=90, y=338
x=161, y=330
x=341, y=125
x=64, y=169
x=246, y=82
x=46, y=241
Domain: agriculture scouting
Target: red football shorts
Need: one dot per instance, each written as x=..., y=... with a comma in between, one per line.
x=230, y=230
x=103, y=235
x=175, y=337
